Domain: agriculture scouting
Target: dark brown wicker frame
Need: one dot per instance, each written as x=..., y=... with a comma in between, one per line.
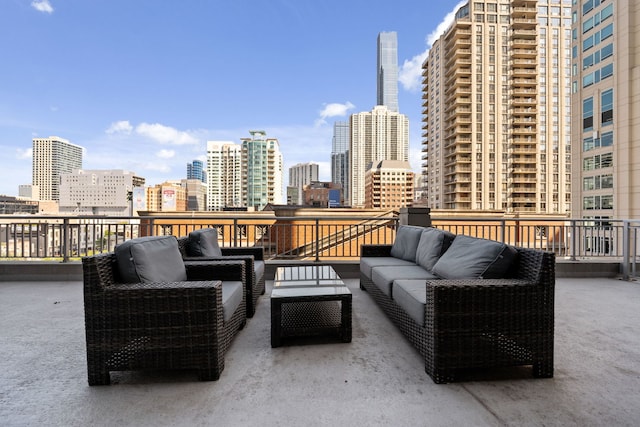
x=176, y=325
x=481, y=323
x=255, y=285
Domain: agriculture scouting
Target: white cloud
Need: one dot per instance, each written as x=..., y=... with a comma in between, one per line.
x=165, y=134
x=42, y=6
x=411, y=70
x=122, y=126
x=166, y=154
x=24, y=154
x=155, y=167
x=334, y=110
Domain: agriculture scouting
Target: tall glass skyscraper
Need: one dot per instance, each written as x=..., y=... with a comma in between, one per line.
x=388, y=70
x=340, y=156
x=196, y=170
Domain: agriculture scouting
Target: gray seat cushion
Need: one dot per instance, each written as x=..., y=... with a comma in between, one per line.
x=232, y=293
x=204, y=242
x=384, y=276
x=367, y=263
x=411, y=295
x=406, y=242
x=258, y=269
x=433, y=243
x=150, y=259
x=473, y=258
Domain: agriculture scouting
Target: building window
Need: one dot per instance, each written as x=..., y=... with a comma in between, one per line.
x=587, y=114
x=606, y=102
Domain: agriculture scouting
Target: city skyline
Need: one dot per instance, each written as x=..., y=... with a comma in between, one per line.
x=143, y=86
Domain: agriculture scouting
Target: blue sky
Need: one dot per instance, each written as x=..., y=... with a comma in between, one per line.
x=142, y=84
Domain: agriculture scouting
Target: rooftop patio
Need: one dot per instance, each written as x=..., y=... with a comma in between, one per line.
x=377, y=379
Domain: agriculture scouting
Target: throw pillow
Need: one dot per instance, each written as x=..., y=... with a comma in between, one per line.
x=150, y=259
x=204, y=242
x=433, y=243
x=474, y=258
x=406, y=242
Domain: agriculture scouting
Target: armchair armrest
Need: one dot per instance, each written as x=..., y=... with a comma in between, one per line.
x=256, y=251
x=218, y=269
x=375, y=250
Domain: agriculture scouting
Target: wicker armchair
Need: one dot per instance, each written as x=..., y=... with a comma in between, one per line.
x=251, y=255
x=180, y=325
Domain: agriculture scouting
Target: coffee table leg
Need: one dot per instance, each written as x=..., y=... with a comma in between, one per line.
x=346, y=318
x=276, y=323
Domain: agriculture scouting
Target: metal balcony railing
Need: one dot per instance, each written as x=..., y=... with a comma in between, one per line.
x=318, y=238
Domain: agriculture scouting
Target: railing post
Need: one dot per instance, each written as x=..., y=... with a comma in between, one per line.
x=503, y=225
x=626, y=249
x=235, y=232
x=317, y=240
x=573, y=240
x=65, y=240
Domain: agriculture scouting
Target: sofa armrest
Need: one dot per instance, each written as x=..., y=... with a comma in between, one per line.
x=489, y=304
x=375, y=250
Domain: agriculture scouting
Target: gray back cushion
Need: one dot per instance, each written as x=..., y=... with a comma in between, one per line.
x=433, y=243
x=406, y=242
x=150, y=259
x=473, y=258
x=204, y=242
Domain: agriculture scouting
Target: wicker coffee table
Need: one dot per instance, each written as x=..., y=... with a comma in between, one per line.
x=308, y=301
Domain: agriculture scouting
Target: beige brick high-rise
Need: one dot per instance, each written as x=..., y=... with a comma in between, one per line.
x=606, y=113
x=496, y=109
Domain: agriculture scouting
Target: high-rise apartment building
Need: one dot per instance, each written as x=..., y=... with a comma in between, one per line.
x=224, y=175
x=387, y=75
x=300, y=175
x=53, y=157
x=340, y=155
x=606, y=172
x=98, y=192
x=262, y=167
x=497, y=109
x=389, y=185
x=197, y=170
x=377, y=135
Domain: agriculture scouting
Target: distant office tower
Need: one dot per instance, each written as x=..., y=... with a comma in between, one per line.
x=224, y=175
x=196, y=170
x=167, y=197
x=377, y=135
x=98, y=192
x=262, y=167
x=300, y=175
x=606, y=162
x=52, y=157
x=496, y=109
x=340, y=156
x=388, y=70
x=196, y=194
x=389, y=185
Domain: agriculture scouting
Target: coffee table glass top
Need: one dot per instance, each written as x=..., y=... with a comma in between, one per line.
x=306, y=275
x=307, y=280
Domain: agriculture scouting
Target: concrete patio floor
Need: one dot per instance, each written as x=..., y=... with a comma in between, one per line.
x=378, y=379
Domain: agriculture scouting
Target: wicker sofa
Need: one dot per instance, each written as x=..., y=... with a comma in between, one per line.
x=464, y=302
